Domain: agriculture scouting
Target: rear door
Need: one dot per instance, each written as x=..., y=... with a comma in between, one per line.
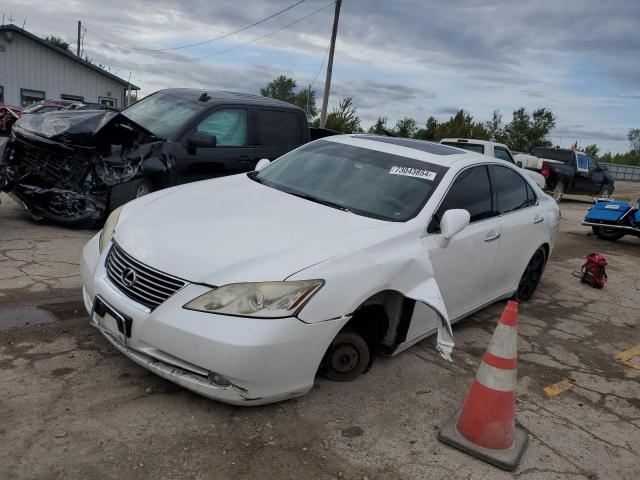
x=278, y=131
x=522, y=228
x=464, y=267
x=233, y=152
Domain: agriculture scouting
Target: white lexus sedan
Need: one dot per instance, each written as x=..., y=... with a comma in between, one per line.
x=242, y=288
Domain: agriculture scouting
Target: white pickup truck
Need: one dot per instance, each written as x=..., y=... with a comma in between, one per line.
x=493, y=149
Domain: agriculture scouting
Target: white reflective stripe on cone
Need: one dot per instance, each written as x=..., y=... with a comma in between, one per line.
x=497, y=378
x=504, y=343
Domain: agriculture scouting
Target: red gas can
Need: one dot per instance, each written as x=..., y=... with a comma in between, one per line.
x=593, y=271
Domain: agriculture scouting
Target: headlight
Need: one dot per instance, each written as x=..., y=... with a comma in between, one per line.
x=109, y=228
x=260, y=299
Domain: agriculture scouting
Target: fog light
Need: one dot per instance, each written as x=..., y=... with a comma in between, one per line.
x=218, y=380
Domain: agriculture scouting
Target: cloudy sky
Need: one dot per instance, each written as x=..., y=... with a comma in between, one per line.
x=580, y=58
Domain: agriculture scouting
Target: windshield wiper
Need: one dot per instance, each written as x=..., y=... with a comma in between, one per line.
x=322, y=201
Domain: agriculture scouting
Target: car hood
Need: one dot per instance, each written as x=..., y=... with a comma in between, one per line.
x=234, y=229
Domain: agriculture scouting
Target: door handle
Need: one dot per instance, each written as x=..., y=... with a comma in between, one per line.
x=538, y=219
x=492, y=236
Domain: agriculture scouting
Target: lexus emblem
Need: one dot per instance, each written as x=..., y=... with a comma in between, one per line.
x=128, y=277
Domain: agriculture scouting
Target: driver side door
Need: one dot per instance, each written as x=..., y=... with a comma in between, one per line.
x=463, y=268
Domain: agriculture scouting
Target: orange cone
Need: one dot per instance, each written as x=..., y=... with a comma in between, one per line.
x=485, y=428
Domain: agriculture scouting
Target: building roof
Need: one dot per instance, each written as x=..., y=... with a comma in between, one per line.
x=14, y=28
x=218, y=96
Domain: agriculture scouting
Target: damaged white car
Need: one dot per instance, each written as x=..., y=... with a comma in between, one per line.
x=243, y=288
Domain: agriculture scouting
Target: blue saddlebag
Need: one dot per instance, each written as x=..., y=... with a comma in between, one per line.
x=607, y=211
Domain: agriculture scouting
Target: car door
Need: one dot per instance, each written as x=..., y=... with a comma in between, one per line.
x=522, y=228
x=277, y=132
x=463, y=268
x=233, y=152
x=596, y=177
x=582, y=182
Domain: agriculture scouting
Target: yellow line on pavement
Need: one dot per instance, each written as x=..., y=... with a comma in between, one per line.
x=557, y=388
x=630, y=357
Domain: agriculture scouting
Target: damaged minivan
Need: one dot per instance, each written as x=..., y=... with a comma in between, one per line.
x=74, y=167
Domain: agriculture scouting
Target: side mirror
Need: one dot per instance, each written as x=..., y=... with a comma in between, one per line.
x=262, y=164
x=601, y=168
x=202, y=139
x=453, y=222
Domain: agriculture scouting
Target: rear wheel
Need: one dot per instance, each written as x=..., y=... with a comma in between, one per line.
x=611, y=234
x=347, y=357
x=558, y=191
x=531, y=277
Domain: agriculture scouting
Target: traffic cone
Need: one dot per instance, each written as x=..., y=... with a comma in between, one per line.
x=485, y=428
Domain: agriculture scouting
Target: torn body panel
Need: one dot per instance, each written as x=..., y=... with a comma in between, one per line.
x=63, y=166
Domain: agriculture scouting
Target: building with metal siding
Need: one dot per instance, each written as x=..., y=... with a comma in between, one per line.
x=32, y=69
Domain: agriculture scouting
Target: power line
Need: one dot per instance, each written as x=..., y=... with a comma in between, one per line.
x=220, y=37
x=321, y=66
x=220, y=52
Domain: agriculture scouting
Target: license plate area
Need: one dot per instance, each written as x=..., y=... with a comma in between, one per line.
x=107, y=319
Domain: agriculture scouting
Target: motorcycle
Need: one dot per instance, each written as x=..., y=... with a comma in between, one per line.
x=613, y=220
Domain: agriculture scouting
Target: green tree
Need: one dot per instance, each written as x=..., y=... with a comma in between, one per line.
x=634, y=143
x=283, y=88
x=429, y=132
x=406, y=127
x=494, y=127
x=525, y=132
x=57, y=42
x=461, y=125
x=380, y=127
x=592, y=150
x=344, y=117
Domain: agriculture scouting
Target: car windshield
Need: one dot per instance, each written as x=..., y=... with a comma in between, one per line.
x=363, y=181
x=563, y=156
x=162, y=114
x=472, y=147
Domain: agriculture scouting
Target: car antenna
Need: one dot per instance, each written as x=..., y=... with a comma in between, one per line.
x=204, y=97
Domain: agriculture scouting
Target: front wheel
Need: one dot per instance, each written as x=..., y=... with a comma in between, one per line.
x=611, y=234
x=531, y=277
x=347, y=357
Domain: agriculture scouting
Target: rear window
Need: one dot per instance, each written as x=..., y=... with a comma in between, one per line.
x=472, y=147
x=278, y=128
x=563, y=156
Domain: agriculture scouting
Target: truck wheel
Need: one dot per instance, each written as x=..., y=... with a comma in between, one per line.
x=610, y=234
x=558, y=191
x=347, y=357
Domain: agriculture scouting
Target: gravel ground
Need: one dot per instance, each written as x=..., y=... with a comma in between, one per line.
x=73, y=408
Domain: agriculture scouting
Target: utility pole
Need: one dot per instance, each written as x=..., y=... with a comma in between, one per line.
x=78, y=47
x=327, y=83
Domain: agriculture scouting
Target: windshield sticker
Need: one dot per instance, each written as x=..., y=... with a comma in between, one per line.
x=413, y=172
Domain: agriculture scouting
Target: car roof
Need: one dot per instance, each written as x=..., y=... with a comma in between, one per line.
x=416, y=149
x=216, y=96
x=473, y=140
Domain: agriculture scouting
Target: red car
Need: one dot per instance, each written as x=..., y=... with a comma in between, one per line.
x=8, y=115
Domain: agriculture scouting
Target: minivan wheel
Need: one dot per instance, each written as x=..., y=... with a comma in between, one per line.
x=558, y=191
x=531, y=277
x=347, y=357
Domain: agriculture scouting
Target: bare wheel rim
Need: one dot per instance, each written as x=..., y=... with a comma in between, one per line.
x=143, y=189
x=344, y=358
x=531, y=277
x=558, y=191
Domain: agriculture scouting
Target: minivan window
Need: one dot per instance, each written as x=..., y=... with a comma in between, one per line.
x=470, y=191
x=510, y=189
x=278, y=128
x=229, y=125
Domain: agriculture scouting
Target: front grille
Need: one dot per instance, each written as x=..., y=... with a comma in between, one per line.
x=58, y=169
x=150, y=287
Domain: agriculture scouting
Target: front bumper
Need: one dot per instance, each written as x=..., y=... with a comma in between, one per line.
x=264, y=360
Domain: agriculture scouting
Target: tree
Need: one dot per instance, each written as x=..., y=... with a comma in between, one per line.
x=343, y=118
x=57, y=42
x=380, y=127
x=406, y=127
x=592, y=150
x=283, y=88
x=524, y=132
x=494, y=127
x=634, y=142
x=429, y=132
x=461, y=125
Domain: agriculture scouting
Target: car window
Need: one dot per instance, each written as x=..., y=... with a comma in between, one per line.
x=363, y=181
x=470, y=191
x=593, y=165
x=228, y=125
x=502, y=154
x=582, y=161
x=510, y=189
x=277, y=128
x=472, y=147
x=532, y=198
